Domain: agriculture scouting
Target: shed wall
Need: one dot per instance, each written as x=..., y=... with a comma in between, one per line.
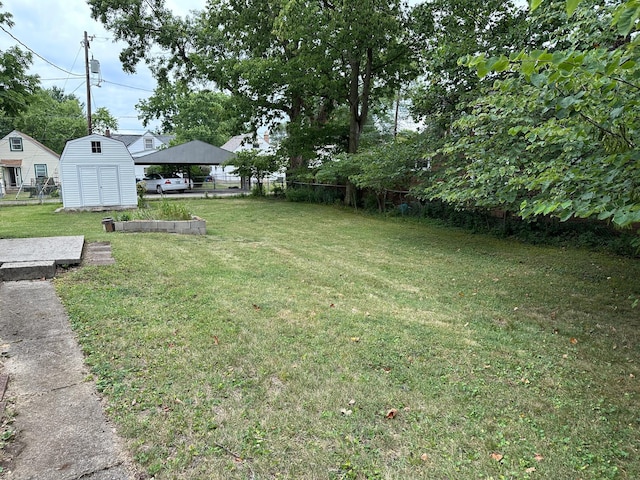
x=105, y=179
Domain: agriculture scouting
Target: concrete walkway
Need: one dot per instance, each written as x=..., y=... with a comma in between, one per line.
x=61, y=430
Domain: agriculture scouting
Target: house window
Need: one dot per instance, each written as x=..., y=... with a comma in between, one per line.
x=148, y=143
x=41, y=170
x=96, y=147
x=15, y=144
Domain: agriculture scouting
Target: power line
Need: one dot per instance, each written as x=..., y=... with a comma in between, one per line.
x=37, y=54
x=128, y=86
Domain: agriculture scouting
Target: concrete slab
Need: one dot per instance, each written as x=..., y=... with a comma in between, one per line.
x=14, y=271
x=28, y=313
x=79, y=442
x=44, y=354
x=62, y=250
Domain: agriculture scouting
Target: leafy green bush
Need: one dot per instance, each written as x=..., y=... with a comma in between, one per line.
x=141, y=189
x=314, y=194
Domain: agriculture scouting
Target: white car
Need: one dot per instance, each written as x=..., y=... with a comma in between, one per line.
x=161, y=183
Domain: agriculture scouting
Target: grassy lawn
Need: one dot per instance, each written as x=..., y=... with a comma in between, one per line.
x=303, y=341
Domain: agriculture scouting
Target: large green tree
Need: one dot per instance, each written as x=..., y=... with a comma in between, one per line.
x=16, y=86
x=450, y=29
x=559, y=135
x=52, y=118
x=295, y=61
x=204, y=115
x=102, y=120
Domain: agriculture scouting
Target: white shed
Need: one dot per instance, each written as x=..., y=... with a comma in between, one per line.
x=97, y=171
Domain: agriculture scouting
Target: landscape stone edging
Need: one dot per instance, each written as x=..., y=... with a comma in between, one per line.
x=195, y=226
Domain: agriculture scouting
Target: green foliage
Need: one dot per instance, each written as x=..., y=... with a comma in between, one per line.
x=450, y=29
x=102, y=120
x=558, y=136
x=299, y=61
x=16, y=85
x=192, y=115
x=326, y=195
x=256, y=164
x=141, y=190
x=166, y=210
x=52, y=119
x=173, y=211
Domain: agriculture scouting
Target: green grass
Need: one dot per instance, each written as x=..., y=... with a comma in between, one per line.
x=277, y=345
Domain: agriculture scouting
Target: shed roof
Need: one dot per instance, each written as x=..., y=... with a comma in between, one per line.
x=195, y=152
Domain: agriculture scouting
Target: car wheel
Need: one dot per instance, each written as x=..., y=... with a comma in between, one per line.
x=159, y=189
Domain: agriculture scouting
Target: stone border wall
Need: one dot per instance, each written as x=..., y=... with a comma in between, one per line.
x=195, y=226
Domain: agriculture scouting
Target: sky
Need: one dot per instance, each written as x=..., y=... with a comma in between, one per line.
x=54, y=30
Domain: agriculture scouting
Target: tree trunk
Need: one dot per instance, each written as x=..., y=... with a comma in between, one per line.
x=358, y=110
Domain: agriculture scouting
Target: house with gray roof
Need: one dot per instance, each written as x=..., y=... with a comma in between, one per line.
x=142, y=145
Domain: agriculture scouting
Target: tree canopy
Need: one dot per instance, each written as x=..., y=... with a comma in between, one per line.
x=293, y=61
x=204, y=115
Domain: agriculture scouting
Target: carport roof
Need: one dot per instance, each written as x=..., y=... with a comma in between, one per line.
x=195, y=152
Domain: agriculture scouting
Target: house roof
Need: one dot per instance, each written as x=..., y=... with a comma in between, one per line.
x=195, y=152
x=16, y=133
x=128, y=139
x=241, y=140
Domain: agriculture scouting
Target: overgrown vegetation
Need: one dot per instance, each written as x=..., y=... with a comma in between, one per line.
x=163, y=210
x=369, y=347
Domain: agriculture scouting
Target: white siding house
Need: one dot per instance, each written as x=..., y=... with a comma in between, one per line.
x=97, y=172
x=142, y=145
x=25, y=163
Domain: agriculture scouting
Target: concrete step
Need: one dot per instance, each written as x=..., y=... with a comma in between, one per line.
x=15, y=271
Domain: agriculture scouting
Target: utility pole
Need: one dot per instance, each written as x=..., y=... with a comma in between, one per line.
x=86, y=64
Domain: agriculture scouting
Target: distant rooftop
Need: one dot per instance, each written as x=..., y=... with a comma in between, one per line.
x=128, y=139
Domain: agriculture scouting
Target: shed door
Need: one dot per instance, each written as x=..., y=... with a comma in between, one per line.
x=99, y=185
x=109, y=186
x=89, y=187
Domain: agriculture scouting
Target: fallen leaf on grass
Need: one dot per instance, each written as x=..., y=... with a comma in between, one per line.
x=216, y=340
x=392, y=413
x=424, y=457
x=538, y=457
x=573, y=340
x=497, y=456
x=530, y=469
